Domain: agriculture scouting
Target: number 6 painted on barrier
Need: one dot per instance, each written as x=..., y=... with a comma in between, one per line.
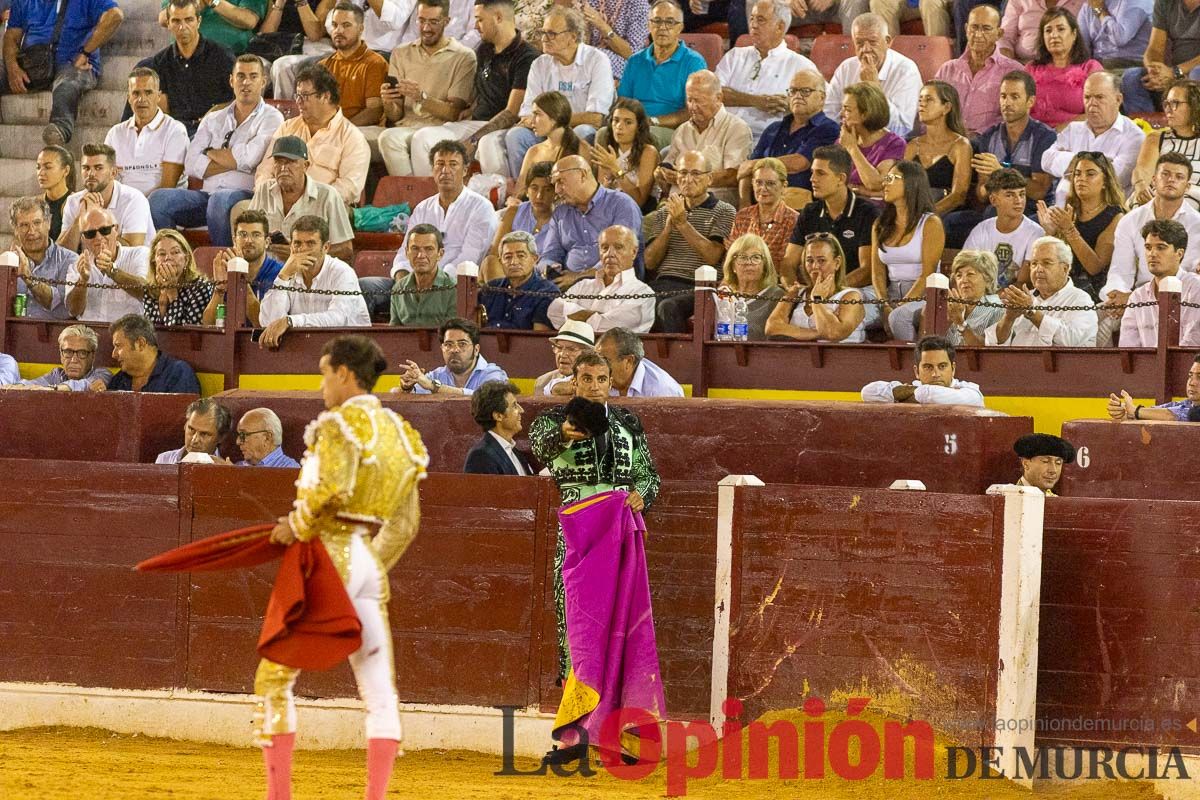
x=951, y=444
x=1082, y=458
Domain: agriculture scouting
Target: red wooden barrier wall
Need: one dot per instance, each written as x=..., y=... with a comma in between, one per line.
x=1152, y=460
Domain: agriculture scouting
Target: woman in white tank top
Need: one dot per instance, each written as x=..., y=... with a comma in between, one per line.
x=806, y=314
x=908, y=238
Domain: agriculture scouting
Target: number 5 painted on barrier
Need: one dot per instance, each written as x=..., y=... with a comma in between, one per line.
x=951, y=444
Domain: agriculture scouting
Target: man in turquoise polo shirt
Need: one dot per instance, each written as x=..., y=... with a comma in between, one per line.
x=656, y=76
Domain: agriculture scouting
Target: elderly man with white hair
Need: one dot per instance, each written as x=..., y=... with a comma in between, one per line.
x=724, y=139
x=260, y=438
x=1024, y=324
x=754, y=79
x=77, y=345
x=875, y=62
x=614, y=298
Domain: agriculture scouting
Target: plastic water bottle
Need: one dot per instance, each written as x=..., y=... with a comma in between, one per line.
x=741, y=322
x=724, y=319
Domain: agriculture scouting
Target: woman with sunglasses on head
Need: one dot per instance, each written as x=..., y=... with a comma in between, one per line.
x=176, y=293
x=872, y=147
x=1088, y=222
x=907, y=239
x=810, y=314
x=625, y=157
x=944, y=149
x=1059, y=69
x=1182, y=135
x=551, y=122
x=769, y=217
x=750, y=270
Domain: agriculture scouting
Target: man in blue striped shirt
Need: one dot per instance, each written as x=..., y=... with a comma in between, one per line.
x=260, y=438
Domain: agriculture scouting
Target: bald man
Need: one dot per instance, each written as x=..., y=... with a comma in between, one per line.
x=978, y=72
x=724, y=139
x=570, y=249
x=260, y=438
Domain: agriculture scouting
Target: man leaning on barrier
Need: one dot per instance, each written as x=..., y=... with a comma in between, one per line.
x=1121, y=407
x=205, y=423
x=144, y=367
x=77, y=345
x=934, y=382
x=465, y=370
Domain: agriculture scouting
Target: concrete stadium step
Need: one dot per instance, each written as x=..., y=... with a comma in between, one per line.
x=19, y=179
x=140, y=37
x=23, y=142
x=115, y=74
x=100, y=107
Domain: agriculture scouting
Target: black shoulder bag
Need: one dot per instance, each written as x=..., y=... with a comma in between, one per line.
x=38, y=60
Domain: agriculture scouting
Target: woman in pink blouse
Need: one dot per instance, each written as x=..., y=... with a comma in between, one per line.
x=1020, y=31
x=1061, y=67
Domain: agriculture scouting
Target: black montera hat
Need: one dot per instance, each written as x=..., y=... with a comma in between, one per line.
x=1044, y=444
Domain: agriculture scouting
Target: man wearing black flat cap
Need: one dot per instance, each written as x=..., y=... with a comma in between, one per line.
x=1042, y=459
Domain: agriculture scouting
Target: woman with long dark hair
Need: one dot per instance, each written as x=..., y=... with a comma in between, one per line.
x=1182, y=135
x=908, y=238
x=624, y=157
x=551, y=121
x=56, y=178
x=1060, y=68
x=944, y=149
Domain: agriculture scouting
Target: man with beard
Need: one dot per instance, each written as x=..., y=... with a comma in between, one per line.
x=1165, y=242
x=573, y=340
x=38, y=258
x=77, y=346
x=1122, y=407
x=587, y=458
x=359, y=71
x=465, y=371
x=101, y=190
x=934, y=382
x=250, y=243
x=205, y=423
x=1042, y=459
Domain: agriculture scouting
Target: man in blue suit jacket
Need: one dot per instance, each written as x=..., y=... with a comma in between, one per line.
x=494, y=406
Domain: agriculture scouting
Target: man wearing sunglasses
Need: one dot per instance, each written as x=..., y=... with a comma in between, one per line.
x=260, y=438
x=106, y=281
x=205, y=423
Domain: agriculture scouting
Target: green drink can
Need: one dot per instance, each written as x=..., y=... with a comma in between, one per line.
x=20, y=304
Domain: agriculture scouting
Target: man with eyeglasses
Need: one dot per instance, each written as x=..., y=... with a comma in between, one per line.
x=291, y=193
x=686, y=232
x=580, y=72
x=101, y=190
x=313, y=290
x=77, y=345
x=38, y=257
x=1025, y=324
x=723, y=138
x=977, y=73
x=525, y=310
x=251, y=232
x=435, y=76
x=193, y=70
x=655, y=76
x=755, y=78
x=225, y=152
x=574, y=338
x=205, y=423
x=1103, y=129
x=106, y=281
x=340, y=155
x=260, y=438
x=465, y=371
x=794, y=138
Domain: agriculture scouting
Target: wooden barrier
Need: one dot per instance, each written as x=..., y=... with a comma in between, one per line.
x=951, y=449
x=1148, y=460
x=1120, y=626
x=114, y=426
x=694, y=359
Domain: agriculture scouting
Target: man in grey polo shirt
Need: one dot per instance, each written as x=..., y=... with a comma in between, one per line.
x=290, y=194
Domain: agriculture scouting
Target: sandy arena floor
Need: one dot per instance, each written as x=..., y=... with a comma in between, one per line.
x=91, y=764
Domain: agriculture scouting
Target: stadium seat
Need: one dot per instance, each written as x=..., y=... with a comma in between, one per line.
x=204, y=258
x=792, y=42
x=912, y=27
x=1156, y=119
x=374, y=263
x=709, y=45
x=814, y=29
x=719, y=28
x=374, y=241
x=930, y=52
x=288, y=108
x=829, y=50
x=196, y=237
x=395, y=189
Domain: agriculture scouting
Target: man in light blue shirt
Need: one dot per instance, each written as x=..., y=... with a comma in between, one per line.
x=656, y=76
x=9, y=374
x=77, y=352
x=205, y=423
x=260, y=438
x=634, y=375
x=465, y=371
x=39, y=257
x=1117, y=32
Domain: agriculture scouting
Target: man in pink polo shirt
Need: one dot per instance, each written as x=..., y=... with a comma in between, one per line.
x=977, y=73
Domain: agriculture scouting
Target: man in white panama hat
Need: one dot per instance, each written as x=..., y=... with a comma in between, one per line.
x=572, y=340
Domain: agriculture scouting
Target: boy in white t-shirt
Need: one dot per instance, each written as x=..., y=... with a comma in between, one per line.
x=1010, y=234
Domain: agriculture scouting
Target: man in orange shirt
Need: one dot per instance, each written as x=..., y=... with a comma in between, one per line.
x=358, y=69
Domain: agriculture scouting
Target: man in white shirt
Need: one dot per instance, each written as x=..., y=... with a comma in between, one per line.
x=289, y=305
x=634, y=375
x=227, y=149
x=466, y=219
x=723, y=139
x=116, y=271
x=1128, y=269
x=1010, y=234
x=615, y=281
x=582, y=73
x=1024, y=325
x=1104, y=129
x=755, y=79
x=129, y=207
x=572, y=340
x=934, y=382
x=1166, y=241
x=875, y=62
x=150, y=145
